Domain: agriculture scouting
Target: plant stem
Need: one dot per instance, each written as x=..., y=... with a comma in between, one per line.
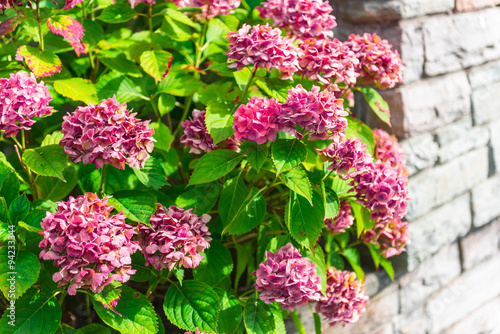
x=242, y=98
x=152, y=287
x=354, y=243
x=327, y=176
x=87, y=309
x=40, y=36
x=151, y=44
x=103, y=180
x=317, y=322
x=298, y=323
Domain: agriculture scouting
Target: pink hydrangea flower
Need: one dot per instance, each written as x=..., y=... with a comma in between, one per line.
x=318, y=112
x=89, y=245
x=134, y=3
x=21, y=99
x=71, y=3
x=197, y=331
x=347, y=157
x=107, y=133
x=210, y=8
x=177, y=238
x=345, y=298
x=257, y=120
x=342, y=221
x=328, y=61
x=264, y=47
x=387, y=149
x=392, y=236
x=378, y=63
x=303, y=18
x=197, y=138
x=383, y=190
x=287, y=278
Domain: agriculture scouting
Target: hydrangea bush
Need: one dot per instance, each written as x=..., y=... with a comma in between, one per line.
x=191, y=166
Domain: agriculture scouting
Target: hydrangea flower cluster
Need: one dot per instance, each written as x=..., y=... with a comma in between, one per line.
x=176, y=238
x=21, y=99
x=378, y=63
x=318, y=112
x=257, y=120
x=342, y=221
x=387, y=149
x=347, y=157
x=90, y=246
x=197, y=138
x=303, y=18
x=107, y=133
x=392, y=236
x=345, y=298
x=71, y=3
x=264, y=47
x=382, y=189
x=328, y=61
x=210, y=8
x=287, y=278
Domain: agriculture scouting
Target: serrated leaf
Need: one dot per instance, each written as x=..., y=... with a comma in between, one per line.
x=176, y=30
x=193, y=305
x=166, y=103
x=137, y=205
x=77, y=89
x=257, y=155
x=9, y=186
x=297, y=180
x=179, y=17
x=279, y=324
x=377, y=103
x=257, y=317
x=142, y=272
x=318, y=257
x=117, y=13
x=219, y=119
x=354, y=259
x=202, y=198
x=93, y=33
x=52, y=139
x=137, y=314
x=332, y=204
x=156, y=63
x=288, y=154
x=230, y=312
x=33, y=220
x=275, y=87
x=152, y=175
x=55, y=189
x=305, y=221
x=116, y=84
x=47, y=160
x=216, y=264
x=9, y=25
x=358, y=129
x=41, y=63
x=121, y=64
x=248, y=215
x=19, y=209
x=179, y=84
x=70, y=29
x=108, y=296
x=25, y=269
x=214, y=165
x=162, y=135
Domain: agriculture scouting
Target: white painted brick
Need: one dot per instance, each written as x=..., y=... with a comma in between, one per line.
x=495, y=145
x=466, y=294
x=429, y=276
x=475, y=138
x=433, y=187
x=421, y=152
x=484, y=320
x=484, y=75
x=412, y=50
x=414, y=322
x=460, y=41
x=486, y=201
x=480, y=244
x=486, y=103
x=463, y=5
x=452, y=132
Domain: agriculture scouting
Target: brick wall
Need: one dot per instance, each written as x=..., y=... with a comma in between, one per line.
x=447, y=116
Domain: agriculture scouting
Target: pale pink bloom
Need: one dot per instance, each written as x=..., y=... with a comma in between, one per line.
x=257, y=120
x=209, y=8
x=134, y=3
x=342, y=221
x=387, y=149
x=392, y=236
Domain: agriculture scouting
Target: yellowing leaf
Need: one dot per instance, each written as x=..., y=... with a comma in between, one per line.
x=68, y=28
x=41, y=63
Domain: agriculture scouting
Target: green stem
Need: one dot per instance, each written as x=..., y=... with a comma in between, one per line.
x=242, y=98
x=61, y=297
x=153, y=286
x=327, y=176
x=103, y=180
x=40, y=36
x=354, y=243
x=88, y=313
x=151, y=45
x=298, y=323
x=328, y=249
x=317, y=323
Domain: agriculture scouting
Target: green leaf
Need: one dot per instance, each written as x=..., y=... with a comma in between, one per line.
x=336, y=261
x=296, y=179
x=340, y=187
x=156, y=63
x=354, y=259
x=163, y=136
x=176, y=30
x=195, y=304
x=116, y=84
x=142, y=273
x=216, y=264
x=65, y=329
x=305, y=222
x=117, y=13
x=219, y=119
x=20, y=270
x=166, y=103
x=275, y=87
x=214, y=165
x=362, y=217
x=93, y=33
x=257, y=315
x=34, y=218
x=108, y=295
x=95, y=329
x=319, y=259
x=9, y=186
x=137, y=205
x=230, y=312
x=232, y=197
x=35, y=313
x=55, y=189
x=179, y=17
x=121, y=64
x=179, y=84
x=47, y=160
x=377, y=103
x=332, y=204
x=152, y=175
x=248, y=215
x=136, y=314
x=201, y=197
x=52, y=139
x=257, y=155
x=242, y=77
x=356, y=128
x=77, y=89
x=380, y=259
x=4, y=211
x=288, y=154
x=19, y=209
x=387, y=265
x=279, y=324
x=41, y=63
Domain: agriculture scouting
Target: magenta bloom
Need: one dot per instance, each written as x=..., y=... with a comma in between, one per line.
x=107, y=133
x=382, y=189
x=90, y=246
x=257, y=120
x=197, y=331
x=378, y=63
x=263, y=46
x=392, y=236
x=328, y=61
x=287, y=278
x=387, y=149
x=71, y=3
x=319, y=113
x=209, y=8
x=177, y=238
x=347, y=157
x=134, y=3
x=303, y=18
x=345, y=298
x=343, y=221
x=21, y=99
x=197, y=138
